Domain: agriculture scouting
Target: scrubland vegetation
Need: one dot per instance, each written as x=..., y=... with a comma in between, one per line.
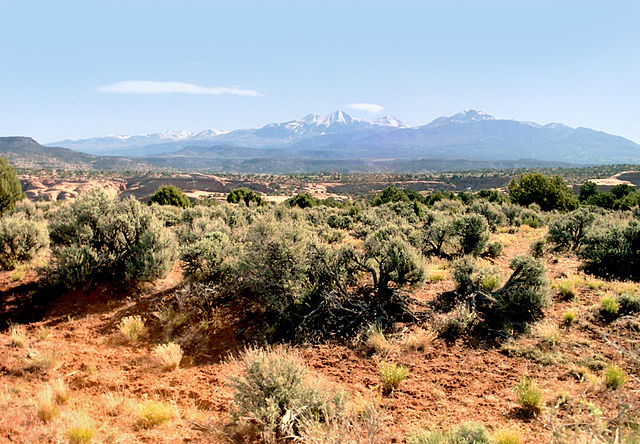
x=399, y=288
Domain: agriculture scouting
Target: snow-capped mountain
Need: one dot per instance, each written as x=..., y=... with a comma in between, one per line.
x=470, y=134
x=466, y=116
x=127, y=145
x=274, y=133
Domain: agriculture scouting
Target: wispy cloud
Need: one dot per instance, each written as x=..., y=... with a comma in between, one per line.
x=366, y=107
x=154, y=87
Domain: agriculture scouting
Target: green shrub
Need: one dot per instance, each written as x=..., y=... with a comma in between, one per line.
x=10, y=188
x=523, y=297
x=466, y=433
x=473, y=233
x=245, y=195
x=613, y=251
x=21, y=239
x=303, y=200
x=629, y=303
x=392, y=375
x=389, y=258
x=529, y=395
x=437, y=232
x=531, y=218
x=100, y=240
x=551, y=193
x=568, y=231
x=463, y=275
x=537, y=248
x=278, y=394
x=609, y=307
x=494, y=249
x=273, y=269
x=491, y=212
x=205, y=259
x=170, y=195
x=587, y=190
x=390, y=194
x=614, y=377
x=512, y=213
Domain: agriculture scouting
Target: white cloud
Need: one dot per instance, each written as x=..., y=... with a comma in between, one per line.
x=366, y=107
x=153, y=87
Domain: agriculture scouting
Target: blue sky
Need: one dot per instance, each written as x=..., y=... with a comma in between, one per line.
x=238, y=64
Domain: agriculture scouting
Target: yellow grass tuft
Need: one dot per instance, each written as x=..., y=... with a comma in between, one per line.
x=41, y=360
x=18, y=335
x=45, y=405
x=82, y=429
x=548, y=334
x=43, y=333
x=151, y=414
x=60, y=391
x=376, y=340
x=392, y=375
x=132, y=328
x=167, y=356
x=418, y=339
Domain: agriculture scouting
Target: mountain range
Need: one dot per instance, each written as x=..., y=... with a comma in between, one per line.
x=470, y=135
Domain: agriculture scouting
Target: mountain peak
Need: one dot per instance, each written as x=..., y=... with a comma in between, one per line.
x=468, y=115
x=389, y=121
x=337, y=117
x=471, y=114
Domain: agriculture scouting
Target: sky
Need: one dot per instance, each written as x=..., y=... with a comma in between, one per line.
x=80, y=69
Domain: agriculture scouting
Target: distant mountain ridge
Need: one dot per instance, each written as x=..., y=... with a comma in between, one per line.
x=471, y=135
x=24, y=152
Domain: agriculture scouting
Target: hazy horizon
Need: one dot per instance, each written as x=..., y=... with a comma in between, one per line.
x=79, y=70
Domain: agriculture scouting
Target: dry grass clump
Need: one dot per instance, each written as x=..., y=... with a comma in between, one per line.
x=491, y=281
x=548, y=334
x=529, y=395
x=361, y=422
x=418, y=339
x=6, y=396
x=614, y=377
x=568, y=288
x=41, y=360
x=18, y=335
x=167, y=356
x=376, y=340
x=82, y=431
x=609, y=307
x=45, y=404
x=569, y=317
x=132, y=328
x=60, y=391
x=392, y=375
x=152, y=413
x=437, y=275
x=43, y=332
x=507, y=436
x=113, y=403
x=465, y=433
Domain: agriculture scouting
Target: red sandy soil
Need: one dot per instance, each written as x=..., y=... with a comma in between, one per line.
x=448, y=383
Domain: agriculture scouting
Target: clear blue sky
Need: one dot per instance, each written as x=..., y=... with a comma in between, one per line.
x=248, y=63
